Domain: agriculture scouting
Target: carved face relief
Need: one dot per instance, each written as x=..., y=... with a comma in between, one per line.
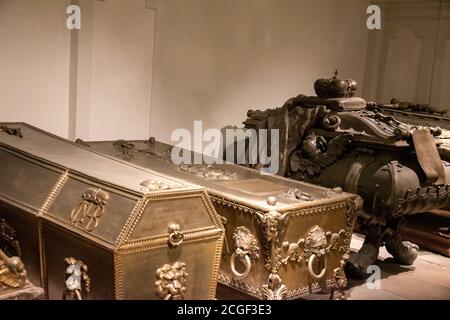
x=313, y=146
x=245, y=243
x=271, y=221
x=316, y=242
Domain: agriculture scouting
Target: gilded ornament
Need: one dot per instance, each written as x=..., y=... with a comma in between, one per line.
x=12, y=272
x=171, y=281
x=87, y=214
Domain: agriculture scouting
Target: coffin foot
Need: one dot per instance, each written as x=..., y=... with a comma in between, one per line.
x=404, y=252
x=358, y=263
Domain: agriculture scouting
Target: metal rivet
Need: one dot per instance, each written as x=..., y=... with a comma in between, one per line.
x=272, y=201
x=338, y=190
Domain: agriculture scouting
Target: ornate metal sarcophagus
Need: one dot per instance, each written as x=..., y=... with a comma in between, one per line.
x=416, y=114
x=284, y=239
x=89, y=227
x=430, y=231
x=335, y=139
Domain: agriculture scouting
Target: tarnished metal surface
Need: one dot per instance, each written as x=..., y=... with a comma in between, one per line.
x=90, y=227
x=264, y=218
x=28, y=292
x=420, y=115
x=246, y=185
x=394, y=166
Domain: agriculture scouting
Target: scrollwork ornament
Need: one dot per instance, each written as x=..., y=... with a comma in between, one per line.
x=171, y=281
x=274, y=289
x=331, y=121
x=88, y=213
x=12, y=272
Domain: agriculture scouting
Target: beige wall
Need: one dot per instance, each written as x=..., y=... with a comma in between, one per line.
x=440, y=91
x=93, y=84
x=212, y=60
x=216, y=59
x=408, y=59
x=115, y=60
x=34, y=63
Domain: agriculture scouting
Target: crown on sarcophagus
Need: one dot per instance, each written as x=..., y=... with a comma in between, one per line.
x=335, y=87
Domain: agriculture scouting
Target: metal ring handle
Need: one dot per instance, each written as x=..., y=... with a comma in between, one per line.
x=310, y=266
x=176, y=239
x=305, y=196
x=248, y=266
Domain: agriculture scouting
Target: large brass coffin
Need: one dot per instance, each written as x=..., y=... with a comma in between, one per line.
x=284, y=239
x=89, y=227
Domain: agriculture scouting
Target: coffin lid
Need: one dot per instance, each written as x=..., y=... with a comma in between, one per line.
x=249, y=186
x=51, y=148
x=52, y=159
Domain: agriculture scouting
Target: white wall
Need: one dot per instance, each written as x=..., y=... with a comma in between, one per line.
x=94, y=83
x=115, y=60
x=216, y=59
x=34, y=63
x=408, y=59
x=212, y=60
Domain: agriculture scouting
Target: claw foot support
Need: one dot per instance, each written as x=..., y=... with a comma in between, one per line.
x=358, y=263
x=404, y=252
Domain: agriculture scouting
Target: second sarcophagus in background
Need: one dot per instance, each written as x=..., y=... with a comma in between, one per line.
x=89, y=227
x=284, y=239
x=335, y=139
